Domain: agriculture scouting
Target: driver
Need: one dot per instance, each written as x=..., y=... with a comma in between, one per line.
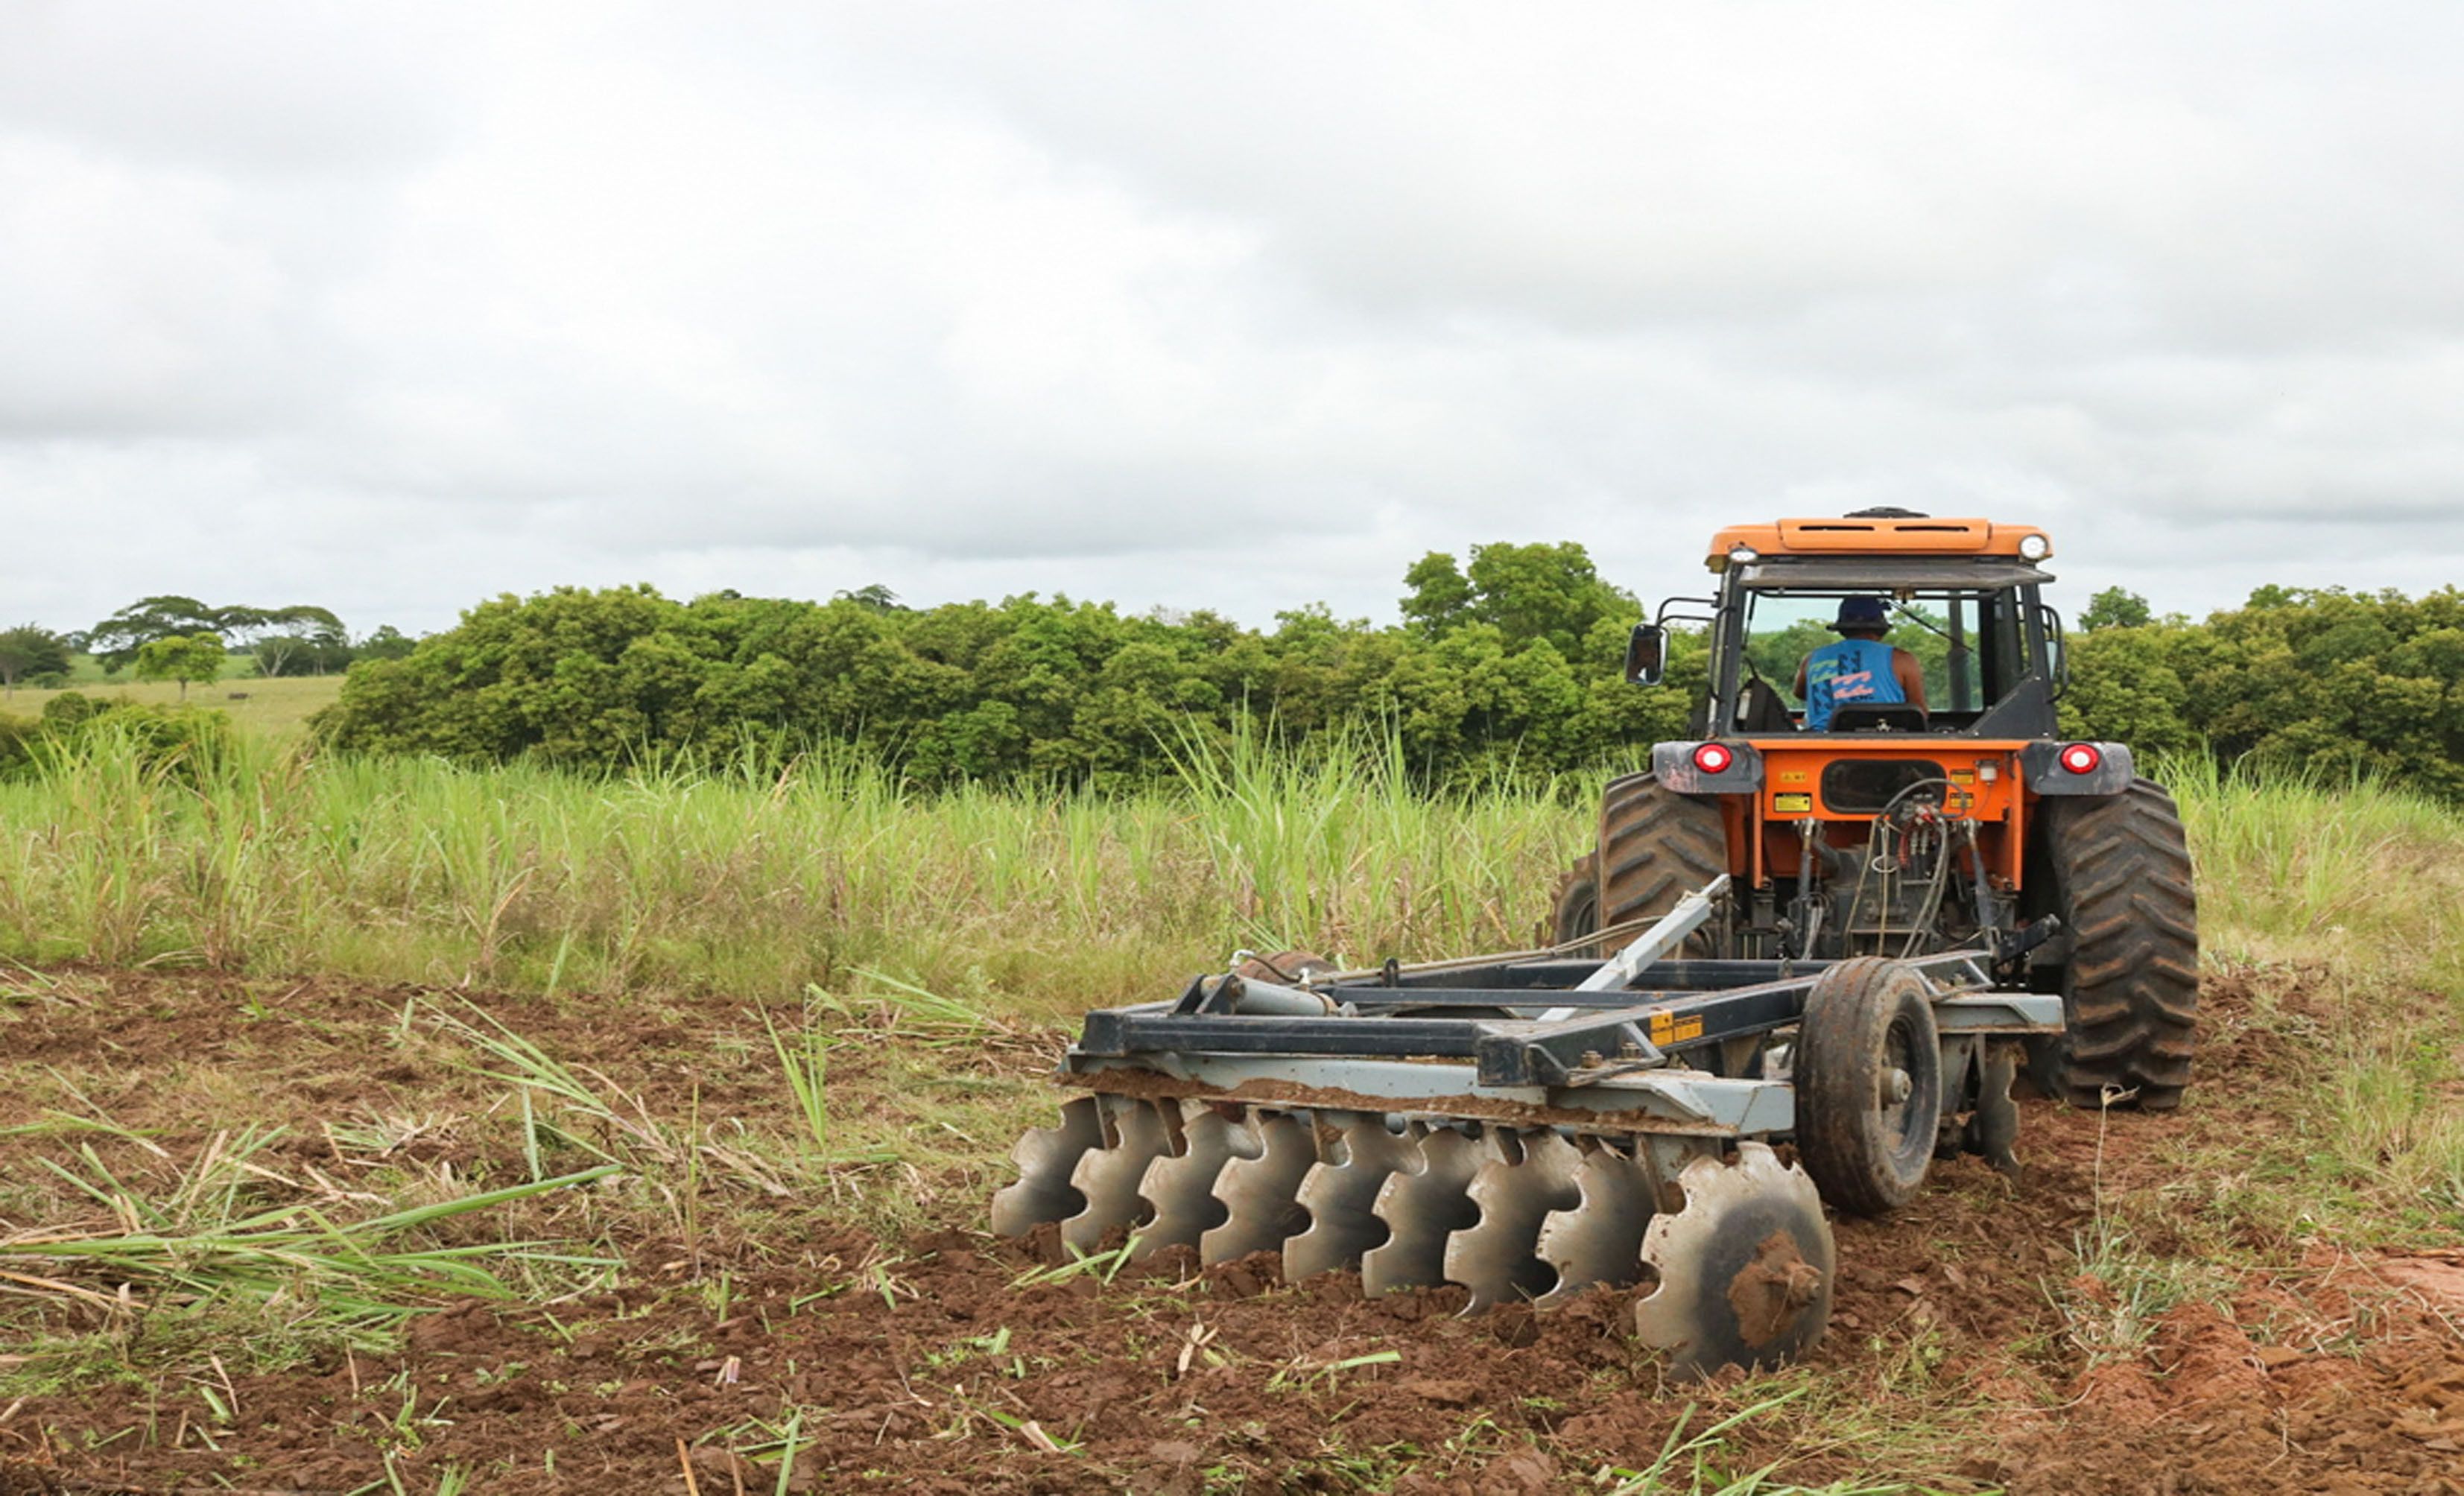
x=1859, y=668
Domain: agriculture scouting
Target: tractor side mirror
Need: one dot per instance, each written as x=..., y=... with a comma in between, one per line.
x=2057, y=659
x=1644, y=654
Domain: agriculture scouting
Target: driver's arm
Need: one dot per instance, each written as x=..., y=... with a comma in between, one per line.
x=1799, y=688
x=1909, y=670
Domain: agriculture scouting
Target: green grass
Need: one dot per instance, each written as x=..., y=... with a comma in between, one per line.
x=2339, y=901
x=2358, y=874
x=279, y=860
x=279, y=707
x=967, y=914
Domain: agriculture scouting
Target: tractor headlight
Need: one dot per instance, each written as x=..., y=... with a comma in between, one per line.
x=2035, y=547
x=1740, y=555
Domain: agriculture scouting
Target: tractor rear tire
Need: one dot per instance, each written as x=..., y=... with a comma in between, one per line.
x=1656, y=846
x=1574, y=910
x=2121, y=873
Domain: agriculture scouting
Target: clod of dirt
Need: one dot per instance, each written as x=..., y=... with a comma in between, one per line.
x=2440, y=1276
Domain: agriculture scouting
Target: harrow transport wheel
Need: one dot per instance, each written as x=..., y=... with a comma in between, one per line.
x=1868, y=1085
x=1656, y=846
x=2121, y=877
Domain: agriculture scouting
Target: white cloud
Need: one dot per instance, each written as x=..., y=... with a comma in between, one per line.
x=396, y=307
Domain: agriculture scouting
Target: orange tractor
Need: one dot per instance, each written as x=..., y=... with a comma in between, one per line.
x=1845, y=939
x=1899, y=828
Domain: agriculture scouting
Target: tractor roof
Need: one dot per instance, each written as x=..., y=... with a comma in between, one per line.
x=1896, y=534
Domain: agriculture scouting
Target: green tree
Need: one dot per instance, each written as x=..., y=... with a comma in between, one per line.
x=286, y=640
x=196, y=657
x=29, y=649
x=875, y=595
x=114, y=640
x=1525, y=592
x=1441, y=596
x=387, y=643
x=2115, y=608
x=300, y=640
x=2124, y=688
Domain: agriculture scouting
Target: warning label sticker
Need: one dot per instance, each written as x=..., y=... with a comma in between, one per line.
x=1674, y=1028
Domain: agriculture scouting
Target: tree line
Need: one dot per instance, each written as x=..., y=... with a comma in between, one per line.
x=2317, y=681
x=1496, y=670
x=171, y=637
x=1505, y=665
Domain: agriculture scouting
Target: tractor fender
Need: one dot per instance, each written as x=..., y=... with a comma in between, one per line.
x=2041, y=767
x=1674, y=765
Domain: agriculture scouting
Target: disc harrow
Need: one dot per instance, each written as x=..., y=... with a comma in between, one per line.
x=1531, y=1127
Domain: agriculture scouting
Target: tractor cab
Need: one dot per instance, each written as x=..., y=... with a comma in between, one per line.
x=1961, y=595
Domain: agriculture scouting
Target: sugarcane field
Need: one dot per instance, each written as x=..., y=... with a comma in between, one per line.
x=576, y=1211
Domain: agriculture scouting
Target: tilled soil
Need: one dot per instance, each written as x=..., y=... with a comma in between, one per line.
x=825, y=1358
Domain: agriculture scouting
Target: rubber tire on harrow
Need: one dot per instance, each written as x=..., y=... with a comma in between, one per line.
x=1865, y=1018
x=2121, y=876
x=1657, y=846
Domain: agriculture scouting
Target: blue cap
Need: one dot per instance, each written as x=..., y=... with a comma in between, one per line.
x=1859, y=613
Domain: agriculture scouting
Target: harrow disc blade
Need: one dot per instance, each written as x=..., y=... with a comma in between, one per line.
x=1258, y=1191
x=1181, y=1186
x=1601, y=1239
x=1744, y=1268
x=1045, y=1157
x=1108, y=1178
x=1996, y=1122
x=1422, y=1204
x=1514, y=1191
x=1341, y=1193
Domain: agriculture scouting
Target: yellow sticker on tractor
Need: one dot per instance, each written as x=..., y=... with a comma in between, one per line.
x=1670, y=1028
x=1791, y=804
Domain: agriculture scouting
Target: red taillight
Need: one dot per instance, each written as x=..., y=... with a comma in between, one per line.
x=1714, y=758
x=2081, y=759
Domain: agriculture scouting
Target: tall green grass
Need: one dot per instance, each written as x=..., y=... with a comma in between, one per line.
x=2297, y=869
x=270, y=858
x=2352, y=890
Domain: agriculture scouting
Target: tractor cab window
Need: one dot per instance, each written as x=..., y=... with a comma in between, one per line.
x=1969, y=644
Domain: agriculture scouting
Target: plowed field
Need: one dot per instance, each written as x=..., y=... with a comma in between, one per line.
x=2106, y=1324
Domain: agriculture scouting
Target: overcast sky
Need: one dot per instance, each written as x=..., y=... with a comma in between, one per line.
x=394, y=307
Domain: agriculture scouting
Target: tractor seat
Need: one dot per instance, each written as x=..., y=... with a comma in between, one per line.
x=1761, y=713
x=1895, y=716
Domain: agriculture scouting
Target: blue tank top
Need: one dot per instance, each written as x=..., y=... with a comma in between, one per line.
x=1855, y=671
